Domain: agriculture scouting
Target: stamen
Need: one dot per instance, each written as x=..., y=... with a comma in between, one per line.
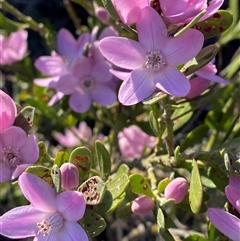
x=53, y=222
x=10, y=156
x=154, y=60
x=87, y=83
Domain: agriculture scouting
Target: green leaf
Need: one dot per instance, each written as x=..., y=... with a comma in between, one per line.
x=81, y=158
x=42, y=172
x=195, y=136
x=25, y=118
x=203, y=58
x=195, y=190
x=93, y=190
x=106, y=203
x=123, y=169
x=56, y=177
x=154, y=98
x=10, y=25
x=216, y=24
x=153, y=122
x=109, y=6
x=116, y=203
x=139, y=185
x=43, y=155
x=61, y=158
x=124, y=211
x=104, y=159
x=162, y=184
x=92, y=223
x=195, y=237
x=118, y=185
x=160, y=221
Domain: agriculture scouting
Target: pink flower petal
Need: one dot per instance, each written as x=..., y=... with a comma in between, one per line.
x=100, y=72
x=71, y=205
x=6, y=171
x=19, y=170
x=82, y=67
x=71, y=232
x=225, y=222
x=235, y=182
x=103, y=94
x=38, y=192
x=137, y=87
x=214, y=5
x=47, y=82
x=67, y=140
x=21, y=222
x=183, y=48
x=152, y=31
x=172, y=81
x=120, y=74
x=108, y=31
x=66, y=84
x=233, y=196
x=80, y=101
x=58, y=96
x=127, y=54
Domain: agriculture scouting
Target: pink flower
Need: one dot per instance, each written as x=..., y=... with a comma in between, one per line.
x=153, y=59
x=101, y=13
x=142, y=205
x=176, y=189
x=69, y=176
x=13, y=48
x=50, y=217
x=128, y=10
x=201, y=83
x=225, y=222
x=74, y=136
x=132, y=141
x=183, y=11
x=17, y=151
x=8, y=111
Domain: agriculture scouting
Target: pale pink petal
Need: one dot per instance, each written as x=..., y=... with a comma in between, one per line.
x=6, y=172
x=21, y=222
x=66, y=84
x=225, y=222
x=71, y=205
x=84, y=131
x=127, y=54
x=108, y=31
x=172, y=81
x=101, y=13
x=152, y=31
x=183, y=48
x=100, y=72
x=82, y=67
x=235, y=182
x=66, y=44
x=58, y=96
x=80, y=101
x=51, y=65
x=103, y=94
x=82, y=40
x=19, y=170
x=214, y=5
x=137, y=87
x=67, y=140
x=120, y=74
x=71, y=231
x=8, y=111
x=38, y=192
x=47, y=82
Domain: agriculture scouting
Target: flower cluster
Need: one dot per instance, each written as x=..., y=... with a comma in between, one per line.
x=17, y=149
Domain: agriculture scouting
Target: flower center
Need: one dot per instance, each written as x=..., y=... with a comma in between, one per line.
x=52, y=222
x=154, y=60
x=10, y=156
x=88, y=83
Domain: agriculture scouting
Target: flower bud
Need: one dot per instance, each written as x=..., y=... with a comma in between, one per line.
x=176, y=189
x=70, y=176
x=142, y=205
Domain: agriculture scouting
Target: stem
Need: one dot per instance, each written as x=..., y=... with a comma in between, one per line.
x=38, y=27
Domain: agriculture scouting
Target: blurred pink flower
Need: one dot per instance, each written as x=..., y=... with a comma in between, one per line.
x=74, y=136
x=225, y=222
x=13, y=48
x=8, y=111
x=69, y=176
x=183, y=11
x=132, y=141
x=17, y=152
x=128, y=10
x=101, y=13
x=49, y=217
x=176, y=189
x=142, y=205
x=153, y=59
x=202, y=81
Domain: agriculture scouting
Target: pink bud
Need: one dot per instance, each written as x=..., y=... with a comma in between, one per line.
x=142, y=205
x=176, y=189
x=70, y=176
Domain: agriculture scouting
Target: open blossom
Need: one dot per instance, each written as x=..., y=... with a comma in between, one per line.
x=183, y=11
x=13, y=48
x=8, y=111
x=225, y=222
x=202, y=81
x=152, y=60
x=132, y=141
x=50, y=217
x=128, y=10
x=17, y=152
x=74, y=136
